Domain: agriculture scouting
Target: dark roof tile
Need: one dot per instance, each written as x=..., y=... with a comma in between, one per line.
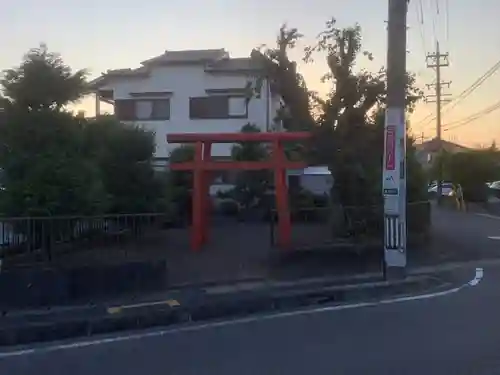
x=205, y=55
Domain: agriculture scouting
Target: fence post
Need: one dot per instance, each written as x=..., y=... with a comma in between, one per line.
x=50, y=238
x=271, y=226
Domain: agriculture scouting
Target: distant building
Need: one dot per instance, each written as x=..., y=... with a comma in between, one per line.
x=316, y=179
x=187, y=92
x=426, y=152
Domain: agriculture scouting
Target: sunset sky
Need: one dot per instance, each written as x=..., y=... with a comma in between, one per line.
x=100, y=35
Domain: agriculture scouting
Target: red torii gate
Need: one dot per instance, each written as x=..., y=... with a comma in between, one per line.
x=202, y=165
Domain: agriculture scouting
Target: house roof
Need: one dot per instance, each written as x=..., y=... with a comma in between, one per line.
x=215, y=60
x=187, y=56
x=105, y=77
x=434, y=145
x=235, y=64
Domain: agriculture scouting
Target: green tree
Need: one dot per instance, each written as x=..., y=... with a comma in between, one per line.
x=180, y=183
x=348, y=124
x=123, y=154
x=286, y=80
x=250, y=185
x=45, y=167
x=181, y=179
x=42, y=81
x=351, y=118
x=56, y=163
x=443, y=158
x=470, y=169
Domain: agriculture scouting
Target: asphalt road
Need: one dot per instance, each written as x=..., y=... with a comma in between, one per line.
x=474, y=235
x=457, y=333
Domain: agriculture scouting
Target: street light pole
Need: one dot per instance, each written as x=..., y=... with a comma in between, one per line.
x=394, y=168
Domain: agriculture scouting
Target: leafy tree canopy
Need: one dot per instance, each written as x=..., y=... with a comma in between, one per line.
x=470, y=169
x=347, y=123
x=123, y=154
x=46, y=170
x=250, y=185
x=42, y=81
x=55, y=163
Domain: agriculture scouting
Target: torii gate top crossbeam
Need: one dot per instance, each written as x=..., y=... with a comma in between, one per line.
x=237, y=137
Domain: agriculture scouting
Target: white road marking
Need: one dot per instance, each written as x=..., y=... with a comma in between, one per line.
x=494, y=237
x=477, y=278
x=138, y=336
x=119, y=309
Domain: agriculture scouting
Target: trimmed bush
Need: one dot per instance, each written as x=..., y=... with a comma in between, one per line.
x=370, y=220
x=476, y=193
x=418, y=217
x=228, y=207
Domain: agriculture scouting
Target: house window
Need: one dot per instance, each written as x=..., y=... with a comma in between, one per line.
x=218, y=107
x=125, y=110
x=161, y=109
x=142, y=109
x=237, y=106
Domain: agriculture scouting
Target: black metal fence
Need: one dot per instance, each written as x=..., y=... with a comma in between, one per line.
x=28, y=240
x=54, y=261
x=51, y=261
x=324, y=226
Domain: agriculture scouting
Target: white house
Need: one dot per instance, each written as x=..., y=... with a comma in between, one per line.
x=189, y=92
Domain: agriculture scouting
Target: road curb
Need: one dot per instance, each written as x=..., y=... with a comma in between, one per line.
x=209, y=307
x=358, y=279
x=451, y=266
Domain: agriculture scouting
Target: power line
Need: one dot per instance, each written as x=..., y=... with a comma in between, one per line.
x=438, y=60
x=420, y=20
x=425, y=118
x=473, y=117
x=440, y=20
x=447, y=21
x=435, y=9
x=434, y=25
x=468, y=91
x=464, y=94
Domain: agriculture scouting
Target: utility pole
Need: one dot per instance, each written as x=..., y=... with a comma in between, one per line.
x=438, y=60
x=394, y=167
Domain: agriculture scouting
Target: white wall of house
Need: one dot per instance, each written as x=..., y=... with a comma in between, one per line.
x=186, y=81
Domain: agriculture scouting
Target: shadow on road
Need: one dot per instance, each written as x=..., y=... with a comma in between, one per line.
x=460, y=236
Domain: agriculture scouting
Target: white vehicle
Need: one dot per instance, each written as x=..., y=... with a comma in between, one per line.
x=446, y=189
x=495, y=189
x=494, y=185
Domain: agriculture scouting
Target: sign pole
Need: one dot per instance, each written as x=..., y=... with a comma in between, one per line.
x=394, y=167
